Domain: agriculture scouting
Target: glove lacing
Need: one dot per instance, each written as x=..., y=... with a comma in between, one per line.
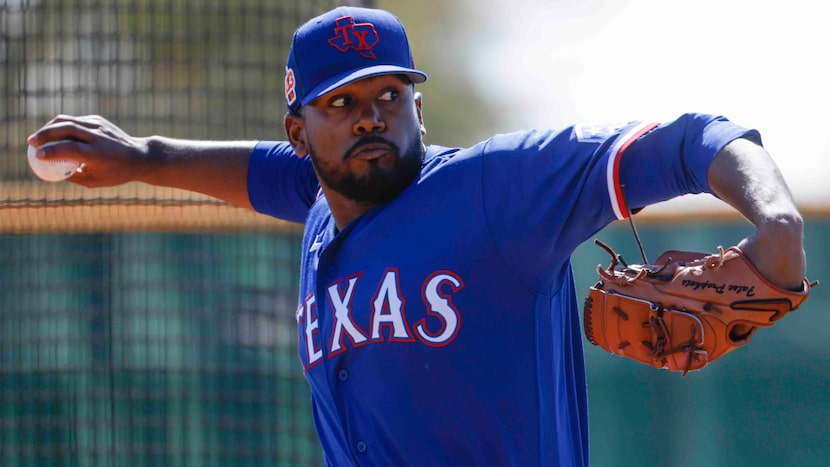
x=658, y=349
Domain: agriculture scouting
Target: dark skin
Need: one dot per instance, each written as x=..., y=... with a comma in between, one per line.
x=742, y=174
x=386, y=105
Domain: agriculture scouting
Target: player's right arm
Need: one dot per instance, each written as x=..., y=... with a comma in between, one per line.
x=112, y=157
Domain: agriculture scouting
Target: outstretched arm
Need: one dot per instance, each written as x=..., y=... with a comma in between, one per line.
x=745, y=176
x=112, y=157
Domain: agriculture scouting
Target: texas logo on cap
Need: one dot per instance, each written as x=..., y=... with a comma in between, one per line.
x=361, y=37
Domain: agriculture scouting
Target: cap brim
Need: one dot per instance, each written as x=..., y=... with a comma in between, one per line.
x=341, y=80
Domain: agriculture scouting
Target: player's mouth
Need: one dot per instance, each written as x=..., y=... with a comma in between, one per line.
x=371, y=147
x=371, y=151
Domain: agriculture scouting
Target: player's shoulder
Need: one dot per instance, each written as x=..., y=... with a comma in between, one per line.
x=521, y=143
x=522, y=139
x=438, y=156
x=502, y=141
x=513, y=143
x=533, y=142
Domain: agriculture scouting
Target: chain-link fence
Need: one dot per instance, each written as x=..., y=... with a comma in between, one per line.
x=140, y=325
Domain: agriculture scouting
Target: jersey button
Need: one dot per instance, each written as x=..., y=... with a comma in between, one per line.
x=361, y=447
x=343, y=375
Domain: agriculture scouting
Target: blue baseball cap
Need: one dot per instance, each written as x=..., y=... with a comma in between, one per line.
x=342, y=46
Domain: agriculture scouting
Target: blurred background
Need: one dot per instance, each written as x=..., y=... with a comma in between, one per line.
x=147, y=326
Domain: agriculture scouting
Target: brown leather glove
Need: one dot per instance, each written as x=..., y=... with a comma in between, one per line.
x=685, y=310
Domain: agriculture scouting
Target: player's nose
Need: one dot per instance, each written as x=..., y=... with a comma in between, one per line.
x=369, y=120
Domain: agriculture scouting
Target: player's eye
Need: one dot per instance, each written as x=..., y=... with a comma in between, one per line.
x=389, y=95
x=340, y=101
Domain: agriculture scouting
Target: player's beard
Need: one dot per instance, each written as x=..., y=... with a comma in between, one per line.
x=378, y=184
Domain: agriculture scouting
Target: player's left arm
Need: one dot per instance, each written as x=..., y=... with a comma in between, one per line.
x=744, y=175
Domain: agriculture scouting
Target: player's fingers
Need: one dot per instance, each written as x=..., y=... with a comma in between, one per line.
x=61, y=131
x=95, y=123
x=63, y=149
x=85, y=129
x=89, y=121
x=92, y=123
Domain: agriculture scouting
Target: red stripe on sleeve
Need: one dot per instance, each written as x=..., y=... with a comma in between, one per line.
x=618, y=191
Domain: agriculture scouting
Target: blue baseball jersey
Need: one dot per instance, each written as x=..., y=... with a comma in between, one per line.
x=443, y=327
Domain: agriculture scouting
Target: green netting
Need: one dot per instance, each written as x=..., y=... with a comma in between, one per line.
x=174, y=343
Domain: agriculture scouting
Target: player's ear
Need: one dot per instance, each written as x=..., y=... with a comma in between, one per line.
x=419, y=98
x=296, y=135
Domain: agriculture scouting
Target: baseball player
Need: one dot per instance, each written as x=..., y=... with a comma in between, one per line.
x=437, y=319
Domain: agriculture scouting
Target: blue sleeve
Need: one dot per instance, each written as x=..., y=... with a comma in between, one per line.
x=547, y=192
x=280, y=184
x=673, y=159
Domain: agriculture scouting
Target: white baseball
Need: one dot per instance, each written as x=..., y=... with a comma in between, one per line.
x=52, y=170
